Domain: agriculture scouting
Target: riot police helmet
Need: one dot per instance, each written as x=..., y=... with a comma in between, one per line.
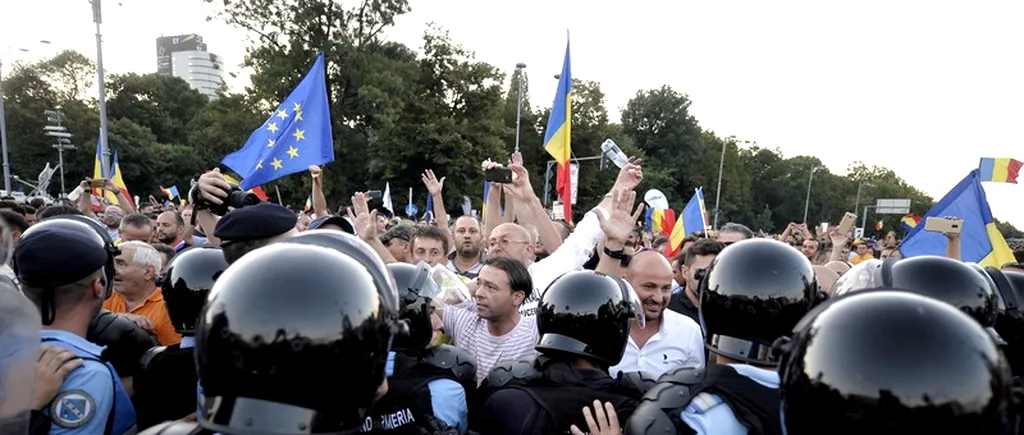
x=354, y=247
x=893, y=362
x=416, y=293
x=1010, y=320
x=940, y=278
x=587, y=314
x=189, y=279
x=294, y=337
x=754, y=292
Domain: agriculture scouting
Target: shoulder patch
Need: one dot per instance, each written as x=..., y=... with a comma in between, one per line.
x=72, y=409
x=702, y=402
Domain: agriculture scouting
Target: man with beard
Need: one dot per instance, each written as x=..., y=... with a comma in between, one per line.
x=171, y=231
x=468, y=258
x=64, y=269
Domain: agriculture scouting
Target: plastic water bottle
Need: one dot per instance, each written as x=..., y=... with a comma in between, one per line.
x=612, y=151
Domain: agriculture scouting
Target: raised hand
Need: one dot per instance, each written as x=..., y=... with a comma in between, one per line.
x=603, y=421
x=619, y=225
x=630, y=175
x=434, y=186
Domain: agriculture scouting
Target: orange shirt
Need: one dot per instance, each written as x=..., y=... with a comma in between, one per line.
x=152, y=308
x=861, y=258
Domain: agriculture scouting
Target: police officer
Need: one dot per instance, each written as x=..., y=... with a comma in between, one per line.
x=293, y=339
x=893, y=362
x=66, y=269
x=583, y=320
x=427, y=385
x=125, y=341
x=1010, y=322
x=167, y=385
x=940, y=278
x=754, y=292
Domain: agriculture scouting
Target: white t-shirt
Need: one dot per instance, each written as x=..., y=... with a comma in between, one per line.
x=678, y=343
x=574, y=252
x=469, y=331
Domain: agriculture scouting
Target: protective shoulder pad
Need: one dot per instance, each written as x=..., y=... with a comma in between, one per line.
x=147, y=358
x=507, y=371
x=175, y=428
x=458, y=361
x=641, y=381
x=684, y=376
x=659, y=411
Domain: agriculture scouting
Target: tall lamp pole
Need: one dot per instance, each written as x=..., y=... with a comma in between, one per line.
x=718, y=190
x=807, y=203
x=3, y=136
x=519, y=99
x=856, y=203
x=104, y=148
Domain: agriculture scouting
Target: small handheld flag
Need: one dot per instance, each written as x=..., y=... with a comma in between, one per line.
x=999, y=170
x=297, y=135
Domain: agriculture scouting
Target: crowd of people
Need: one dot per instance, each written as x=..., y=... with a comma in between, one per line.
x=225, y=314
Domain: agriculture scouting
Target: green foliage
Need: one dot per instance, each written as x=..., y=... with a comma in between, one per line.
x=398, y=110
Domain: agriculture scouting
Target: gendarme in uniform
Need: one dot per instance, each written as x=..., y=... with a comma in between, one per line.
x=51, y=256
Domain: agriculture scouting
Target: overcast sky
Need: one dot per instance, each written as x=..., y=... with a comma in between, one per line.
x=922, y=87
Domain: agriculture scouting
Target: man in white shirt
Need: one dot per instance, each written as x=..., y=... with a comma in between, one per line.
x=669, y=340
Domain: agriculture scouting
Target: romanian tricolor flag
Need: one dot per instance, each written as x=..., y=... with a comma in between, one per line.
x=980, y=240
x=910, y=221
x=171, y=192
x=999, y=170
x=662, y=221
x=257, y=190
x=114, y=175
x=693, y=219
x=559, y=132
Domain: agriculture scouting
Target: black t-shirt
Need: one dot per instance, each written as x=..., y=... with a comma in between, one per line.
x=682, y=305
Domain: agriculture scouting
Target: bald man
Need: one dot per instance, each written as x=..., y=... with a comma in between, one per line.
x=826, y=279
x=669, y=340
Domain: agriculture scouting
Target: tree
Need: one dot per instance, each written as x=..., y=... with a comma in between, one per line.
x=163, y=104
x=70, y=74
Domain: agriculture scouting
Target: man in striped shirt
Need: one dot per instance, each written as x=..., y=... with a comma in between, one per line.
x=491, y=328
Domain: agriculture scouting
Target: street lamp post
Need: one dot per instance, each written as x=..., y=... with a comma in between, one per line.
x=519, y=99
x=718, y=190
x=856, y=203
x=807, y=203
x=104, y=148
x=3, y=136
x=56, y=130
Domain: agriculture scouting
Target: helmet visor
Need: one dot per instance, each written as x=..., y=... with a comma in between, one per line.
x=866, y=275
x=635, y=305
x=451, y=290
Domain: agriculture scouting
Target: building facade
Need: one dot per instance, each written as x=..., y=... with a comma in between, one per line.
x=186, y=57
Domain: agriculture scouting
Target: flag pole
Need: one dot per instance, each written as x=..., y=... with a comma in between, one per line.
x=279, y=202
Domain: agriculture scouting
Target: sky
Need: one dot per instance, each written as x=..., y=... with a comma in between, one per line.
x=925, y=88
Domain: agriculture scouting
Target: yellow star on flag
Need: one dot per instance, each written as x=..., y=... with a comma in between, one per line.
x=297, y=107
x=259, y=164
x=282, y=114
x=272, y=127
x=298, y=115
x=293, y=152
x=270, y=143
x=276, y=163
x=299, y=135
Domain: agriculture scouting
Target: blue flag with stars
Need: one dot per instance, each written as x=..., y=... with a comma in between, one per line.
x=297, y=135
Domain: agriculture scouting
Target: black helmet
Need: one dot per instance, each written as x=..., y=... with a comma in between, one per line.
x=1010, y=321
x=416, y=291
x=354, y=247
x=587, y=314
x=941, y=278
x=893, y=362
x=294, y=330
x=754, y=293
x=189, y=279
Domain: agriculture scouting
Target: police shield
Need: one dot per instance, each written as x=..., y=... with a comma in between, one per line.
x=19, y=351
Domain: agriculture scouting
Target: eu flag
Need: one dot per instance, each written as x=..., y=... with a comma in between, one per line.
x=297, y=135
